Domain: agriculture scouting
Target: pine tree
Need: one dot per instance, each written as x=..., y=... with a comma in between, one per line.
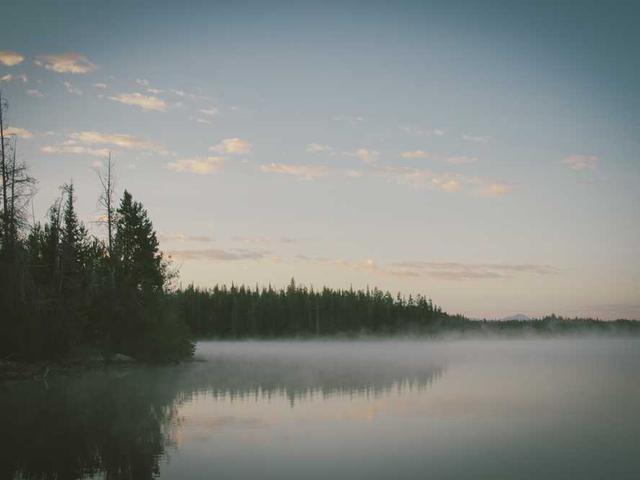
x=145, y=326
x=74, y=241
x=139, y=261
x=74, y=274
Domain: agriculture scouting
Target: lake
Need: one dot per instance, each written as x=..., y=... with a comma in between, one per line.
x=479, y=409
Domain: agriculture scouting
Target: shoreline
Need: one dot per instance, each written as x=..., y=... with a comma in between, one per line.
x=17, y=370
x=20, y=370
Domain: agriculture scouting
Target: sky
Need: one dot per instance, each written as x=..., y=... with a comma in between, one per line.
x=484, y=154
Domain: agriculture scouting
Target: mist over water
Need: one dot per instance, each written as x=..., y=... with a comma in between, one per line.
x=486, y=408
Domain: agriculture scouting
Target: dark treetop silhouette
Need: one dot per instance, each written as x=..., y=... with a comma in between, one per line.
x=62, y=290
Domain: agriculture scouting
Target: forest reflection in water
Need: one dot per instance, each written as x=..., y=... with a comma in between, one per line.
x=517, y=408
x=119, y=423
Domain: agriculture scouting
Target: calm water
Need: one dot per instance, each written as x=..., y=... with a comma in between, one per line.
x=494, y=409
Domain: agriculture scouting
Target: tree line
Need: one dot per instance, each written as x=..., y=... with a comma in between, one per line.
x=63, y=291
x=300, y=311
x=239, y=311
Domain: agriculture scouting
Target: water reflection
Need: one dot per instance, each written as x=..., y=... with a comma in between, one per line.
x=120, y=424
x=114, y=423
x=264, y=371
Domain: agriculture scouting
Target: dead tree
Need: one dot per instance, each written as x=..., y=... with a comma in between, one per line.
x=3, y=169
x=106, y=200
x=18, y=186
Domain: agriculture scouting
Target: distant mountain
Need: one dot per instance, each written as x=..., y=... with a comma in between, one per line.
x=518, y=316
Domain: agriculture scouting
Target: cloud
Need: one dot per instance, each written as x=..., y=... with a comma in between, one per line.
x=9, y=59
x=216, y=254
x=71, y=89
x=455, y=271
x=460, y=160
x=252, y=240
x=495, y=189
x=318, y=148
x=475, y=271
x=415, y=154
x=145, y=102
x=142, y=82
x=9, y=78
x=417, y=177
x=128, y=142
x=262, y=240
x=581, y=162
x=402, y=175
x=18, y=132
x=191, y=96
x=476, y=139
x=438, y=132
x=233, y=146
x=74, y=150
x=367, y=156
x=100, y=85
x=209, y=111
x=66, y=63
x=179, y=237
x=353, y=173
x=307, y=172
x=204, y=121
x=83, y=143
x=446, y=182
x=350, y=119
x=197, y=165
x=455, y=160
x=367, y=265
x=35, y=93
